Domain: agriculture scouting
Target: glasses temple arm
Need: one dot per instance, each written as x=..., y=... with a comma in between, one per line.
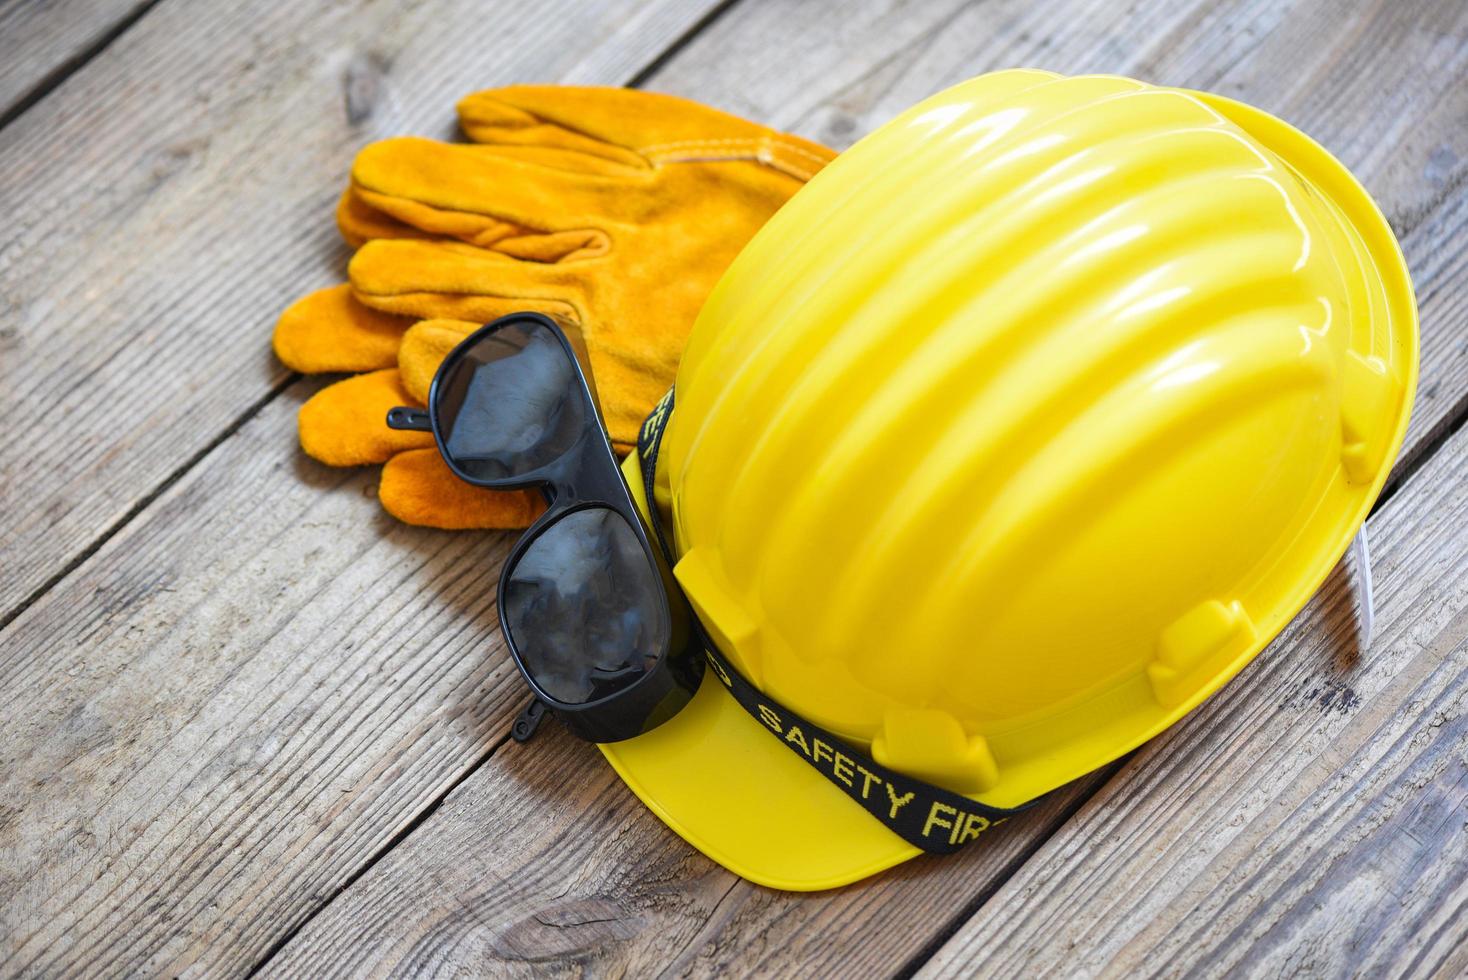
x=413, y=419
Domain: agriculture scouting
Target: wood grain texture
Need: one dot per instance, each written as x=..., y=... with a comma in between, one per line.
x=229, y=708
x=41, y=42
x=176, y=193
x=1309, y=820
x=249, y=691
x=427, y=907
x=543, y=863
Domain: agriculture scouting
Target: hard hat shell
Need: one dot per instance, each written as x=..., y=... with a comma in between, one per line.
x=1011, y=437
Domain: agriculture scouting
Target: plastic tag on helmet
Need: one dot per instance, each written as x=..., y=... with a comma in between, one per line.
x=1365, y=594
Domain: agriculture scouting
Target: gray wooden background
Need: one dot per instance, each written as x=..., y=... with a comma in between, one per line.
x=251, y=725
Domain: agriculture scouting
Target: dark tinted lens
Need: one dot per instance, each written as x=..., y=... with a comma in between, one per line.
x=510, y=404
x=585, y=608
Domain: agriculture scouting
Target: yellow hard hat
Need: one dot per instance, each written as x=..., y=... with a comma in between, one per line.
x=1014, y=435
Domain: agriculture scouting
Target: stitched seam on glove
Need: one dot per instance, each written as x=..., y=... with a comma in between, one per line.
x=761, y=150
x=550, y=305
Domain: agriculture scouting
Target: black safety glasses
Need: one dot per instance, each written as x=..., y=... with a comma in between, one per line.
x=582, y=599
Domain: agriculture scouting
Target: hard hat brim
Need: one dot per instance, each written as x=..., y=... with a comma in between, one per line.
x=728, y=786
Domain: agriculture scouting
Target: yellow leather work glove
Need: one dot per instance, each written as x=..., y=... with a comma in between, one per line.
x=612, y=209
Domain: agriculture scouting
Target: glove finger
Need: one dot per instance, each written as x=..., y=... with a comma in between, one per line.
x=455, y=281
x=418, y=488
x=428, y=342
x=423, y=349
x=608, y=123
x=329, y=330
x=486, y=231
x=480, y=184
x=577, y=120
x=345, y=424
x=360, y=222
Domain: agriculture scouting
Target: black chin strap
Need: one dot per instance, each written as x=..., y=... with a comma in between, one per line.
x=928, y=817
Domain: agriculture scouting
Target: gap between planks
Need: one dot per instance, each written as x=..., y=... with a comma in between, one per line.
x=49, y=60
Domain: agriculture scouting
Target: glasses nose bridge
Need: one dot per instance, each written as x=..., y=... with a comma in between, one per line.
x=596, y=468
x=575, y=477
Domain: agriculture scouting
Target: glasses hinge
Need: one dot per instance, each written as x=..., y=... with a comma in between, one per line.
x=528, y=721
x=414, y=419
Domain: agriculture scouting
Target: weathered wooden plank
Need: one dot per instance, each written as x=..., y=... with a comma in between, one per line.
x=229, y=708
x=544, y=862
x=165, y=203
x=179, y=681
x=1333, y=845
x=129, y=832
x=430, y=904
x=41, y=42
